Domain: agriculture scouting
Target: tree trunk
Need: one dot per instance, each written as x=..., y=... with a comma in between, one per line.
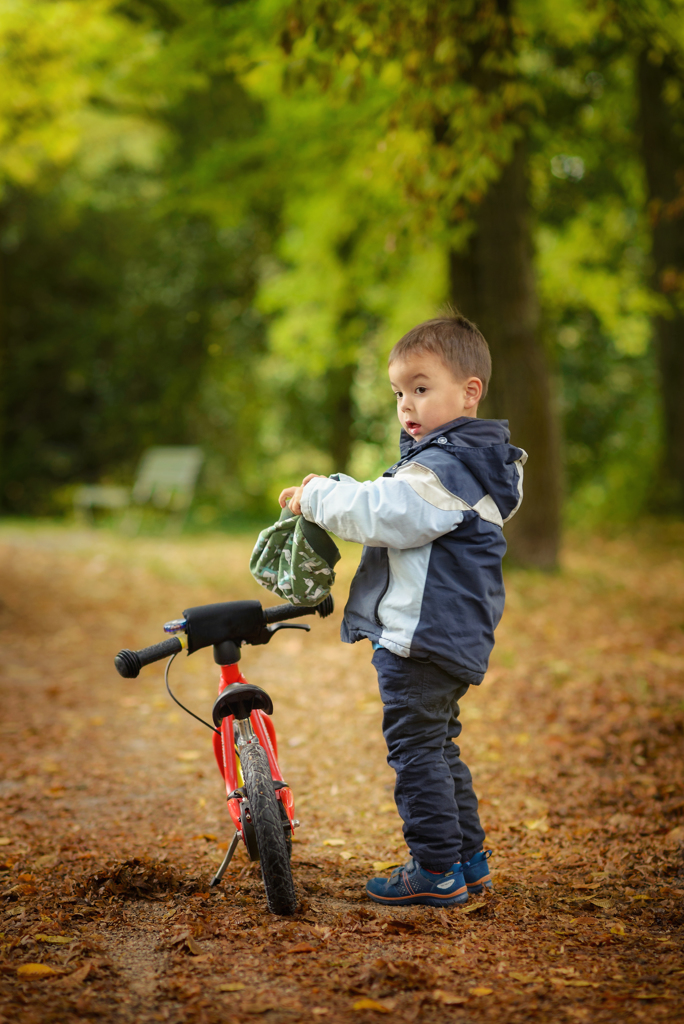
x=492, y=283
x=662, y=148
x=340, y=414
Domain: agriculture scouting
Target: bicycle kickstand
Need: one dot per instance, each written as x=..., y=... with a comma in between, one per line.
x=226, y=860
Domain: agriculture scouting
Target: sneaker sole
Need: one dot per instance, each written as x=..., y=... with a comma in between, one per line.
x=424, y=900
x=482, y=883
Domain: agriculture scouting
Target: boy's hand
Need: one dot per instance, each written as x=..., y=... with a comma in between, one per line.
x=295, y=494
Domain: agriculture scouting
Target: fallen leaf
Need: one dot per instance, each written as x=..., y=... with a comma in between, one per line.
x=48, y=860
x=605, y=904
x=526, y=979
x=652, y=995
x=57, y=939
x=346, y=855
x=35, y=970
x=302, y=947
x=370, y=1004
x=481, y=991
x=79, y=976
x=538, y=825
x=385, y=865
x=472, y=907
x=620, y=820
x=193, y=946
x=55, y=792
x=334, y=842
x=618, y=929
x=5, y=841
x=232, y=986
x=188, y=755
x=674, y=836
x=209, y=836
x=447, y=998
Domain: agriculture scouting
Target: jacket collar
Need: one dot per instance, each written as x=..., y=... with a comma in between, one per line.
x=465, y=431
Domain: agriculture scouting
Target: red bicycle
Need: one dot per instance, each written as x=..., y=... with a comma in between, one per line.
x=260, y=803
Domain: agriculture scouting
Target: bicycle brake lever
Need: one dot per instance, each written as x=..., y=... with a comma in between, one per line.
x=287, y=625
x=266, y=632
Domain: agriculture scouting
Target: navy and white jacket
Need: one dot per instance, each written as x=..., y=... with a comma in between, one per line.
x=429, y=584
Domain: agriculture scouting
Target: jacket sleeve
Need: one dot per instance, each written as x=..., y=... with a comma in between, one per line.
x=383, y=513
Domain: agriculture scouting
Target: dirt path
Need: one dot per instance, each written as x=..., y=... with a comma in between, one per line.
x=114, y=818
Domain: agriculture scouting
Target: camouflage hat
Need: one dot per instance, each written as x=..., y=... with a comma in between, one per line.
x=295, y=559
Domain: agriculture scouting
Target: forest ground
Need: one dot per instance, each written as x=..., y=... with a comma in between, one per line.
x=114, y=816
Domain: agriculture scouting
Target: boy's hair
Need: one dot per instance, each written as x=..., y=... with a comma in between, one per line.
x=455, y=340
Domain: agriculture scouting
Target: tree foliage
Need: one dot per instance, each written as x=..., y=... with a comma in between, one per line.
x=217, y=219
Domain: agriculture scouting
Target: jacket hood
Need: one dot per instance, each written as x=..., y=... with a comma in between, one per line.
x=483, y=446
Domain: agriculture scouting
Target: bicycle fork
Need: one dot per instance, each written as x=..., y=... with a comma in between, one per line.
x=245, y=734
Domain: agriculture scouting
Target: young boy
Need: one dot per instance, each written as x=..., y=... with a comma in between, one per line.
x=429, y=592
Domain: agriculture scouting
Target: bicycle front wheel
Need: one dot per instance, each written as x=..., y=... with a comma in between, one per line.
x=270, y=834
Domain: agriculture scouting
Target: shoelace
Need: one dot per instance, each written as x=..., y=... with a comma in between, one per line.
x=398, y=871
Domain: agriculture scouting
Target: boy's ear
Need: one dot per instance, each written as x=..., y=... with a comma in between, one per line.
x=473, y=391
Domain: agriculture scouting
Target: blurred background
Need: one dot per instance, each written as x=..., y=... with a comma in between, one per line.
x=217, y=217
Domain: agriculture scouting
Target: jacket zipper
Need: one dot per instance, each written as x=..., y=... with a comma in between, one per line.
x=378, y=620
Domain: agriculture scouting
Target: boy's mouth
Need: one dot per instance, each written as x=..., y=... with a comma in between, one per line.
x=412, y=428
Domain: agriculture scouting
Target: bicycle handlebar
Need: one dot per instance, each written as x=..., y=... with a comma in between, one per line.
x=240, y=621
x=129, y=663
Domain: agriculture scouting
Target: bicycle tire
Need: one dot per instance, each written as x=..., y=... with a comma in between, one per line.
x=273, y=854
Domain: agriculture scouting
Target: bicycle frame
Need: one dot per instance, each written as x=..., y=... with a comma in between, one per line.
x=226, y=758
x=244, y=739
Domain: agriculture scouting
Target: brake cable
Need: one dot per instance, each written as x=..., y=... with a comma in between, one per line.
x=187, y=710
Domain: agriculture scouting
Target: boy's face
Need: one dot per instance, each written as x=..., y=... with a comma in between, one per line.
x=429, y=395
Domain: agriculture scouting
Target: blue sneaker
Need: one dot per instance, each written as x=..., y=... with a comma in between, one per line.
x=411, y=885
x=476, y=872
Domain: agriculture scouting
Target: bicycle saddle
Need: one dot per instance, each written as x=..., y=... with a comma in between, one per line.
x=240, y=700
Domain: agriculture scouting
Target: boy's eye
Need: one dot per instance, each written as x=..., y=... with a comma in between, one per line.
x=397, y=394
x=421, y=390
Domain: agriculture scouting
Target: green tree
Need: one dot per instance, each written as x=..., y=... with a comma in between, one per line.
x=452, y=116
x=592, y=244
x=253, y=201
x=128, y=275
x=67, y=99
x=660, y=86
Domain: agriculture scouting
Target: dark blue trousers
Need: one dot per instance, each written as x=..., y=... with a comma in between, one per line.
x=434, y=788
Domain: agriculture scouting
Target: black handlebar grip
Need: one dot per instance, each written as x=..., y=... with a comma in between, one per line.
x=129, y=663
x=281, y=612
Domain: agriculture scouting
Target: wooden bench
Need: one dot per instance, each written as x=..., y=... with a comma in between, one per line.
x=166, y=479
